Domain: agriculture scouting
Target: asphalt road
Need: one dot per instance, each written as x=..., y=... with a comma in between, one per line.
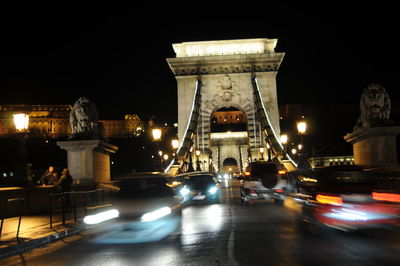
x=227, y=234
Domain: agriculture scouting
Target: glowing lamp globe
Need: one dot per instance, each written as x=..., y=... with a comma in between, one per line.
x=21, y=122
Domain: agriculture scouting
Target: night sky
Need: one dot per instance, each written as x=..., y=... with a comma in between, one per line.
x=116, y=57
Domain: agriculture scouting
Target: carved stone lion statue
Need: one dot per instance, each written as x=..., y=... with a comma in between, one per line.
x=84, y=121
x=375, y=107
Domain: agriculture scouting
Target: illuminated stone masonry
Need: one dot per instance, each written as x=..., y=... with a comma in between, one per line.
x=225, y=69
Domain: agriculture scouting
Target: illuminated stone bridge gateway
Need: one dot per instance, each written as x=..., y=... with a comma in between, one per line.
x=238, y=74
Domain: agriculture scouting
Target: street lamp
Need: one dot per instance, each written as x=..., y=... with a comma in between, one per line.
x=301, y=129
x=198, y=160
x=21, y=122
x=284, y=141
x=175, y=146
x=262, y=153
x=269, y=152
x=190, y=168
x=156, y=132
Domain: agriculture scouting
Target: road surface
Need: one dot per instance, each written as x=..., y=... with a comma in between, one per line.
x=226, y=234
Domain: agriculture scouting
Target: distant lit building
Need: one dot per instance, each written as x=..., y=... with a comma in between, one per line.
x=331, y=161
x=52, y=121
x=229, y=117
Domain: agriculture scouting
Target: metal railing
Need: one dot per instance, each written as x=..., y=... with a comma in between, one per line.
x=67, y=206
x=3, y=211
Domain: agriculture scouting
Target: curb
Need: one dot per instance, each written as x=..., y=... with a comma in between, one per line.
x=34, y=243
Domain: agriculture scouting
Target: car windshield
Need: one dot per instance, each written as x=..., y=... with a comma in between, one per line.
x=144, y=187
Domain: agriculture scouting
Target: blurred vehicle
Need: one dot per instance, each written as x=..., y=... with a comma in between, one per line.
x=202, y=187
x=150, y=205
x=347, y=199
x=262, y=181
x=223, y=176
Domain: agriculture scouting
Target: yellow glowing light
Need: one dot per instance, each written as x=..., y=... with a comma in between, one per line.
x=300, y=146
x=284, y=139
x=156, y=134
x=175, y=144
x=229, y=134
x=307, y=179
x=21, y=121
x=301, y=127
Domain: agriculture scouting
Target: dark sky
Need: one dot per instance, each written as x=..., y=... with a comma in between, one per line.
x=117, y=57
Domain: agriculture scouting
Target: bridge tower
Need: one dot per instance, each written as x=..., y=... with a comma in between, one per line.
x=215, y=76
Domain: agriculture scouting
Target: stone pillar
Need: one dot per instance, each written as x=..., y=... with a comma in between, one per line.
x=89, y=160
x=374, y=146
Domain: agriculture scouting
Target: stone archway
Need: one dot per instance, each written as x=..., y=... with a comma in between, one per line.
x=226, y=71
x=230, y=165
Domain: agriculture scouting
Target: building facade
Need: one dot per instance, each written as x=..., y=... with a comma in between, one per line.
x=52, y=121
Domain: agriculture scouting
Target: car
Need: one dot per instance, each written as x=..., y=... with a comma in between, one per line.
x=201, y=187
x=346, y=199
x=263, y=181
x=149, y=206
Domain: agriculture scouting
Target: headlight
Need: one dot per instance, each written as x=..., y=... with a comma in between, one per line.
x=101, y=217
x=226, y=176
x=212, y=190
x=155, y=215
x=184, y=191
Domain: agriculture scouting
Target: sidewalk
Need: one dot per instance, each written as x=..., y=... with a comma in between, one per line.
x=35, y=231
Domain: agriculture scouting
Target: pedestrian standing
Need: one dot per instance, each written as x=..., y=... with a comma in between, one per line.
x=65, y=185
x=49, y=177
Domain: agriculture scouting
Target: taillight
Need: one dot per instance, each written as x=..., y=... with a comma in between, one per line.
x=281, y=172
x=329, y=199
x=278, y=190
x=386, y=196
x=253, y=192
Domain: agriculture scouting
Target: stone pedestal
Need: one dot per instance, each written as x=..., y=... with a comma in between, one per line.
x=375, y=146
x=89, y=160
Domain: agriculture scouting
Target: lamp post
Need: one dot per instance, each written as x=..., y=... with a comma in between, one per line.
x=175, y=146
x=198, y=160
x=21, y=122
x=190, y=168
x=301, y=129
x=262, y=153
x=165, y=157
x=269, y=152
x=156, y=132
x=284, y=141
